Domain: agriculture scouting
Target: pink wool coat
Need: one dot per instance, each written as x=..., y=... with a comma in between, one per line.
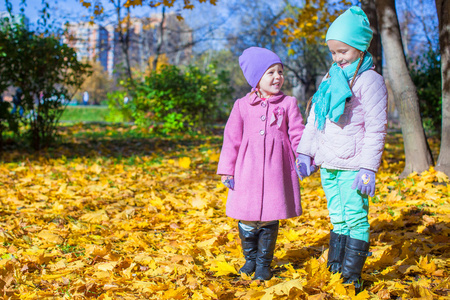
x=260, y=139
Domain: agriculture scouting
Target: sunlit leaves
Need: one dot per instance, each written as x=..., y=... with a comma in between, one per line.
x=145, y=218
x=133, y=3
x=311, y=21
x=99, y=9
x=85, y=4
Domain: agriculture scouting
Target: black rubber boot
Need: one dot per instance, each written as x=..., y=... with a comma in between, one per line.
x=336, y=252
x=356, y=253
x=266, y=246
x=249, y=241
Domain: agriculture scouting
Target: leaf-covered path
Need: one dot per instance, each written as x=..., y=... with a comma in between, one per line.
x=111, y=215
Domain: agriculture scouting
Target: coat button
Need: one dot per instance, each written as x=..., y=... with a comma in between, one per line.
x=261, y=132
x=263, y=118
x=263, y=104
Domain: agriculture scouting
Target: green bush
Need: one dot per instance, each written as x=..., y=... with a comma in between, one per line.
x=8, y=122
x=171, y=100
x=119, y=111
x=44, y=69
x=426, y=75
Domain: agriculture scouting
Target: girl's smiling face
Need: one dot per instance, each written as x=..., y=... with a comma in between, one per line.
x=272, y=81
x=342, y=53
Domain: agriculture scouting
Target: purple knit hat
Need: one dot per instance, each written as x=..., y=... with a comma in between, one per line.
x=255, y=61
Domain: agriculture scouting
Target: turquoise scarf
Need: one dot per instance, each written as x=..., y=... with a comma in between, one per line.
x=330, y=98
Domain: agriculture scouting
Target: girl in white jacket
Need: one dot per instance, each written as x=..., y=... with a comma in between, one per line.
x=345, y=135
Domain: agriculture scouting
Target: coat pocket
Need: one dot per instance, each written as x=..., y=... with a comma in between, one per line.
x=345, y=147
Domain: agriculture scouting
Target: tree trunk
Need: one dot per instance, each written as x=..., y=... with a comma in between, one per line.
x=368, y=6
x=417, y=154
x=124, y=37
x=443, y=10
x=126, y=45
x=160, y=39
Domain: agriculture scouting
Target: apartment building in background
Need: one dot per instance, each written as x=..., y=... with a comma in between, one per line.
x=106, y=45
x=91, y=42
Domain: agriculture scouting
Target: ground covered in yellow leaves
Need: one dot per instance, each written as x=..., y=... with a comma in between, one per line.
x=115, y=214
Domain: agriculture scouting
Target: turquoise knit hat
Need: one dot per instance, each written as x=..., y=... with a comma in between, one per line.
x=352, y=28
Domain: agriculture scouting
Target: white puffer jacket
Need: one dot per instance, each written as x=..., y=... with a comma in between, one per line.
x=357, y=139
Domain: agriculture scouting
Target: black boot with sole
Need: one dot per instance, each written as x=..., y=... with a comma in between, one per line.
x=249, y=242
x=266, y=247
x=336, y=252
x=356, y=253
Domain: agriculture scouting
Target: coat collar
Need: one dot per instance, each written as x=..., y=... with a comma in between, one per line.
x=253, y=98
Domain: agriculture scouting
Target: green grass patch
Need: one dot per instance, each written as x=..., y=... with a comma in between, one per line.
x=85, y=114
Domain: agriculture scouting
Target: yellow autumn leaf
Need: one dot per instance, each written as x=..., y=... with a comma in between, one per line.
x=54, y=276
x=86, y=4
x=184, y=162
x=363, y=295
x=199, y=202
x=75, y=265
x=101, y=274
x=291, y=235
x=442, y=177
x=133, y=3
x=144, y=286
x=320, y=296
x=223, y=268
x=339, y=289
x=418, y=291
x=207, y=243
x=96, y=169
x=50, y=237
x=105, y=297
x=95, y=217
x=106, y=266
x=214, y=157
x=427, y=266
x=58, y=266
x=282, y=289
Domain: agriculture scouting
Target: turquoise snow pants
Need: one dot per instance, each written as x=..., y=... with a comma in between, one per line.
x=348, y=208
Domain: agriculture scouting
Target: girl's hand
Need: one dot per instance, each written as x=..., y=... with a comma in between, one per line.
x=228, y=181
x=365, y=182
x=304, y=166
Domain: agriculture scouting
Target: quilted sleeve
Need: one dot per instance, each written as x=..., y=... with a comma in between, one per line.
x=232, y=139
x=374, y=102
x=304, y=147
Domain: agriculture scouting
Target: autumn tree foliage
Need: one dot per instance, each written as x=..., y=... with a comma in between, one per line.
x=97, y=83
x=122, y=12
x=302, y=29
x=311, y=21
x=187, y=4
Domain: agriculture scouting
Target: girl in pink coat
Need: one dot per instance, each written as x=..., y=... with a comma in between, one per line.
x=257, y=159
